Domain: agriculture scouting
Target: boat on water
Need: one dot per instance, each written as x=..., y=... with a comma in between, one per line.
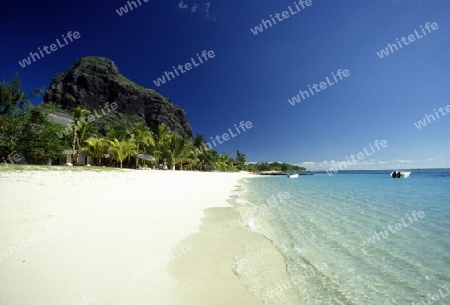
x=292, y=175
x=399, y=174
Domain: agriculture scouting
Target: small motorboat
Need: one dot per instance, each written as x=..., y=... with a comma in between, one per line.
x=292, y=175
x=398, y=174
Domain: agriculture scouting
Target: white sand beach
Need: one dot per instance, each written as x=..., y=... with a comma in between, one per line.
x=83, y=236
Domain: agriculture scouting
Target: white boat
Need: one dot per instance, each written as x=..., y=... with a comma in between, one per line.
x=404, y=174
x=292, y=175
x=396, y=174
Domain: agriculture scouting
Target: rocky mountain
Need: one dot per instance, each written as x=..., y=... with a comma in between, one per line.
x=93, y=81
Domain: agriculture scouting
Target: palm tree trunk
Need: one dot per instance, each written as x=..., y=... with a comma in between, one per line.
x=137, y=159
x=74, y=145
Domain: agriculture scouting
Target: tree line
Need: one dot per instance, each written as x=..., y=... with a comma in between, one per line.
x=274, y=166
x=26, y=130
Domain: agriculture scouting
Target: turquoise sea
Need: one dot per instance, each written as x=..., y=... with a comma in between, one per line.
x=357, y=237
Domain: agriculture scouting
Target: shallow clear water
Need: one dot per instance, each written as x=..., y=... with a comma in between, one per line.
x=325, y=231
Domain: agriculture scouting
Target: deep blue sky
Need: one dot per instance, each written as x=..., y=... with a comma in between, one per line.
x=252, y=76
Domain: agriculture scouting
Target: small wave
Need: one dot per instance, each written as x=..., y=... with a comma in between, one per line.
x=251, y=224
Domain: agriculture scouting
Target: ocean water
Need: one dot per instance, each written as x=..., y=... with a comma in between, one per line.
x=357, y=237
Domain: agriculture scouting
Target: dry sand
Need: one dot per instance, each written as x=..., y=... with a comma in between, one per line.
x=80, y=236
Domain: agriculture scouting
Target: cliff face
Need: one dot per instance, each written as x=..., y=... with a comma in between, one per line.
x=91, y=82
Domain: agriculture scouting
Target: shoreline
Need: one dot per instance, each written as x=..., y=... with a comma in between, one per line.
x=110, y=225
x=232, y=264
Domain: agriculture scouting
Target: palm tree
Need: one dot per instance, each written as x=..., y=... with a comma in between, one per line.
x=161, y=137
x=120, y=150
x=179, y=150
x=115, y=132
x=96, y=147
x=241, y=159
x=79, y=114
x=85, y=132
x=200, y=142
x=224, y=163
x=209, y=158
x=200, y=151
x=142, y=136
